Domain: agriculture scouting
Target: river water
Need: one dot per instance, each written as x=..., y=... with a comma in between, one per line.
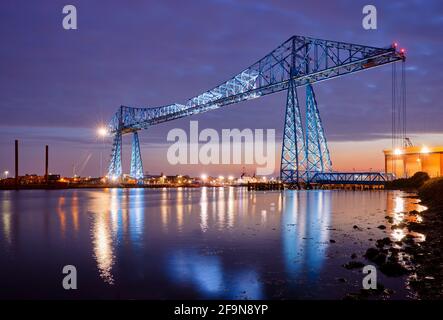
x=198, y=243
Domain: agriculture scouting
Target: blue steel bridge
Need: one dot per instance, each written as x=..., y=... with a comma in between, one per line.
x=299, y=61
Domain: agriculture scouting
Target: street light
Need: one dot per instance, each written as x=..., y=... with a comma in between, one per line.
x=398, y=151
x=6, y=173
x=102, y=132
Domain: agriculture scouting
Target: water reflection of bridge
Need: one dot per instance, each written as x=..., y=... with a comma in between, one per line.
x=208, y=242
x=305, y=220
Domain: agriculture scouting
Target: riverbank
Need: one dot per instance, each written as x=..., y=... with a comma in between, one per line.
x=416, y=254
x=90, y=186
x=428, y=278
x=255, y=186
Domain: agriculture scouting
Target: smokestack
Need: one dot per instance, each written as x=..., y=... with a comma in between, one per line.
x=16, y=161
x=46, y=163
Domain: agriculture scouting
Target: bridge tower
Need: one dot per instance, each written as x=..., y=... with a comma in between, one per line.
x=317, y=152
x=115, y=166
x=136, y=159
x=293, y=155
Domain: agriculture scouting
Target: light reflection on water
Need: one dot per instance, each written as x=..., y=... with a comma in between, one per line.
x=196, y=243
x=399, y=213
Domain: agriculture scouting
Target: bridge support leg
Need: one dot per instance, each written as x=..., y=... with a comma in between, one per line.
x=317, y=152
x=136, y=159
x=115, y=167
x=292, y=167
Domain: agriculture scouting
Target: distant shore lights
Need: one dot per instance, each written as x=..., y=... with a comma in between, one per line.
x=425, y=149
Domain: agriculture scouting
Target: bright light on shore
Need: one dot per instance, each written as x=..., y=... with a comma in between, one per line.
x=221, y=178
x=204, y=177
x=102, y=132
x=425, y=149
x=398, y=151
x=231, y=178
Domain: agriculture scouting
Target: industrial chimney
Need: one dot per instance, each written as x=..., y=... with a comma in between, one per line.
x=46, y=163
x=16, y=161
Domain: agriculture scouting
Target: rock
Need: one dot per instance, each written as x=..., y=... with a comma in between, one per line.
x=371, y=253
x=343, y=280
x=393, y=269
x=353, y=256
x=354, y=265
x=388, y=292
x=383, y=242
x=375, y=255
x=390, y=219
x=381, y=227
x=332, y=241
x=409, y=240
x=357, y=228
x=380, y=259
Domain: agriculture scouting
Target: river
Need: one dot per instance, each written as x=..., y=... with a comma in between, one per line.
x=197, y=243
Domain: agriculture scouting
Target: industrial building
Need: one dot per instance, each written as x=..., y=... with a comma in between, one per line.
x=404, y=162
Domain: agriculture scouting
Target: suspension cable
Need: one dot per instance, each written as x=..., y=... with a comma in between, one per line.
x=398, y=107
x=403, y=93
x=394, y=103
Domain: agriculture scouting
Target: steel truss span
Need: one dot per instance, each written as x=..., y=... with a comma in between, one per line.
x=299, y=61
x=354, y=178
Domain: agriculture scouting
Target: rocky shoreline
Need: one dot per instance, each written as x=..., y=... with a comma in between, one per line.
x=417, y=255
x=427, y=280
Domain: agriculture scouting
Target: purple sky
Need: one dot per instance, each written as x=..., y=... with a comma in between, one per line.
x=57, y=86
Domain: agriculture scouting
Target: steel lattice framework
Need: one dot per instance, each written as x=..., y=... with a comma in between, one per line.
x=363, y=178
x=297, y=62
x=317, y=152
x=293, y=161
x=136, y=159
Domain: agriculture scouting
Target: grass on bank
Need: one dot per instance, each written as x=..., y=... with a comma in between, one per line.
x=432, y=191
x=412, y=183
x=429, y=190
